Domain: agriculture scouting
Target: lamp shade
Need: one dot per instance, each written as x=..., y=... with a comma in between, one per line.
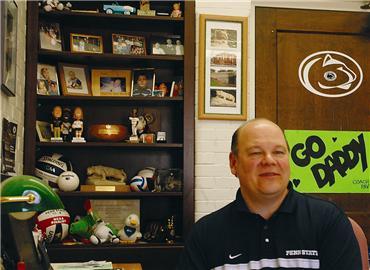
x=43, y=197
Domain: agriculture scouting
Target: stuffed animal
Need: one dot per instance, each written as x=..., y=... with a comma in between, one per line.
x=131, y=231
x=49, y=5
x=83, y=226
x=104, y=232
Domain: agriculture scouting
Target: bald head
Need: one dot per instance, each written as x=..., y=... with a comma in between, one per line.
x=250, y=124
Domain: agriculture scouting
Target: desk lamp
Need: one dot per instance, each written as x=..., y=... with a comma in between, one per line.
x=21, y=197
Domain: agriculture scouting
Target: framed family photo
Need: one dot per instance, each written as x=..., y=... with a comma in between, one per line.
x=8, y=26
x=47, y=80
x=74, y=79
x=143, y=81
x=167, y=44
x=107, y=82
x=126, y=44
x=50, y=36
x=86, y=43
x=222, y=67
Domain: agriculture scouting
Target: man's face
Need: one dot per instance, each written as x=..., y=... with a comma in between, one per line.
x=262, y=162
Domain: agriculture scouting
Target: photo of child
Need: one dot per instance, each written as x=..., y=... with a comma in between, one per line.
x=143, y=82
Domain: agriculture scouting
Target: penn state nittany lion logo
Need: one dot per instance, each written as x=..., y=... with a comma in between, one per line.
x=330, y=74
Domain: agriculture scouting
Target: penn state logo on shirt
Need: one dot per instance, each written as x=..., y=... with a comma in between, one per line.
x=330, y=74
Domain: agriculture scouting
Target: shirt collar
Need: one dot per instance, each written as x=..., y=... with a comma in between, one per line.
x=287, y=206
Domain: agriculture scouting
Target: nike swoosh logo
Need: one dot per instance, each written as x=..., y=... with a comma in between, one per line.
x=231, y=257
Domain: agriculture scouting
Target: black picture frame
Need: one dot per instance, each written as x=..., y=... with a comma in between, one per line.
x=8, y=22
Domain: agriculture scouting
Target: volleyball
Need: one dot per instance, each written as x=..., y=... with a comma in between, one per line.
x=68, y=181
x=54, y=224
x=49, y=167
x=138, y=183
x=148, y=173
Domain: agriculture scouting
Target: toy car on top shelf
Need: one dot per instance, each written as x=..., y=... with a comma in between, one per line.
x=117, y=9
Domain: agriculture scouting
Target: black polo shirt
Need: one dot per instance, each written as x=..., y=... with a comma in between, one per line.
x=304, y=233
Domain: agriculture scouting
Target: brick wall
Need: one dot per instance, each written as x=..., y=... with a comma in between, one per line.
x=12, y=108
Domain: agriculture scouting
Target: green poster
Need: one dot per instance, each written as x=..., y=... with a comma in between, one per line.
x=329, y=161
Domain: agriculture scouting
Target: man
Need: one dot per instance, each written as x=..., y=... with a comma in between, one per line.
x=269, y=225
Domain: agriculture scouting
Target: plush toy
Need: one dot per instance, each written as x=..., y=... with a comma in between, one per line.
x=83, y=227
x=131, y=231
x=49, y=5
x=104, y=232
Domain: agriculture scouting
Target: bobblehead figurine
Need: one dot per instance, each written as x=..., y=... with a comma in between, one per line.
x=56, y=124
x=66, y=127
x=78, y=125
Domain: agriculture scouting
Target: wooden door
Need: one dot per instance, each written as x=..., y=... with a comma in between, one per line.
x=312, y=72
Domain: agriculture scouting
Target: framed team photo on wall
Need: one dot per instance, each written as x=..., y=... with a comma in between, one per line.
x=222, y=67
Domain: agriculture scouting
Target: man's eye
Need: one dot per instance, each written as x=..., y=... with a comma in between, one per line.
x=279, y=152
x=254, y=153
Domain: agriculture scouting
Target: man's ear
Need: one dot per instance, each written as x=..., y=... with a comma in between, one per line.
x=233, y=164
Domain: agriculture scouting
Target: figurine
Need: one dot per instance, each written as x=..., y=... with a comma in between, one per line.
x=78, y=125
x=170, y=228
x=66, y=127
x=134, y=121
x=56, y=124
x=144, y=5
x=131, y=231
x=102, y=175
x=103, y=232
x=176, y=12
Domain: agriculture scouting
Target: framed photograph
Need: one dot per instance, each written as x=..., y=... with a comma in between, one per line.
x=8, y=24
x=86, y=43
x=43, y=131
x=167, y=44
x=107, y=82
x=163, y=89
x=143, y=81
x=50, y=36
x=74, y=79
x=125, y=44
x=222, y=67
x=47, y=80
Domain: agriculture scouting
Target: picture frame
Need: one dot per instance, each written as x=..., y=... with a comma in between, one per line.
x=50, y=36
x=143, y=81
x=82, y=43
x=74, y=79
x=108, y=82
x=8, y=23
x=43, y=131
x=126, y=44
x=47, y=80
x=167, y=45
x=163, y=89
x=222, y=67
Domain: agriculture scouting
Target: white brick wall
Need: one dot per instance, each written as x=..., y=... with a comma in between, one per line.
x=214, y=184
x=12, y=108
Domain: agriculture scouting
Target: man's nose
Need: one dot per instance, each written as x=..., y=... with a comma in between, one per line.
x=268, y=159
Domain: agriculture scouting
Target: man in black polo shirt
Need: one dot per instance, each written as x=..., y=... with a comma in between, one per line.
x=269, y=225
